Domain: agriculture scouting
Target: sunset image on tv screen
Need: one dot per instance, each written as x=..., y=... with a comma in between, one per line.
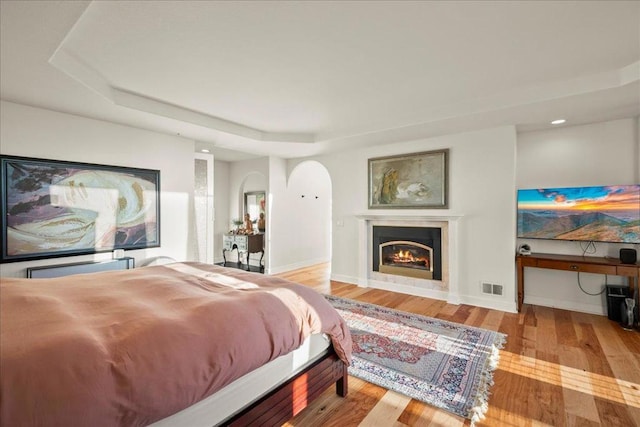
x=600, y=214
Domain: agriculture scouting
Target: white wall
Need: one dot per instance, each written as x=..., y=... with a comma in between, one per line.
x=304, y=229
x=277, y=214
x=482, y=188
x=34, y=132
x=604, y=153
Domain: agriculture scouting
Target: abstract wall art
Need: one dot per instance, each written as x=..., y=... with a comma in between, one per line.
x=53, y=208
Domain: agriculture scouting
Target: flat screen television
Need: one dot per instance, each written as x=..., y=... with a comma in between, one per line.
x=598, y=214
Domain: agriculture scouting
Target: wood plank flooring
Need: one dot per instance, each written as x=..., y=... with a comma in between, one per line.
x=558, y=368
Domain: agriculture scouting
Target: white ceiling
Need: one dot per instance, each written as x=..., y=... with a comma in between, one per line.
x=301, y=78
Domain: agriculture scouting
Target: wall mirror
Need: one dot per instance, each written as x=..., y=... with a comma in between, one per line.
x=254, y=205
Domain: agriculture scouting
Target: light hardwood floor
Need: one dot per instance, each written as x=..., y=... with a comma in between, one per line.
x=558, y=368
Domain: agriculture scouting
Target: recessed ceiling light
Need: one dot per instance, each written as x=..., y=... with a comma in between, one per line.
x=204, y=150
x=558, y=122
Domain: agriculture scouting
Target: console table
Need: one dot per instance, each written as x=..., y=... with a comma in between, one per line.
x=243, y=243
x=584, y=264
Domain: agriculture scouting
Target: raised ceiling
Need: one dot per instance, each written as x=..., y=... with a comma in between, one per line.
x=301, y=78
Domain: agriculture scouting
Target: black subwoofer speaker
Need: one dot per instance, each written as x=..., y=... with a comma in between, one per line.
x=616, y=295
x=628, y=256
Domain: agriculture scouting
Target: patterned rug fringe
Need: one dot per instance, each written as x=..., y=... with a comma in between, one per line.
x=414, y=356
x=481, y=403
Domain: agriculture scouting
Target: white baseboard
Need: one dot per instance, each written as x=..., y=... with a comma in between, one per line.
x=345, y=279
x=295, y=266
x=509, y=307
x=566, y=305
x=491, y=303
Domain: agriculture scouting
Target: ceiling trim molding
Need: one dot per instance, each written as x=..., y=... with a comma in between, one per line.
x=75, y=67
x=630, y=73
x=92, y=79
x=81, y=72
x=520, y=97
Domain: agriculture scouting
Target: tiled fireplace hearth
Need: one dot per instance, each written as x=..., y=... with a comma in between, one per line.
x=416, y=255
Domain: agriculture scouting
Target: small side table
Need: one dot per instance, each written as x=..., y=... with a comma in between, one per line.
x=247, y=244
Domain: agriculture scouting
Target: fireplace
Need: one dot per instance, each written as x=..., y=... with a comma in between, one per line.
x=438, y=232
x=408, y=251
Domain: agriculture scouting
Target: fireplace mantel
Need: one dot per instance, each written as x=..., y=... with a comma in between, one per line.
x=409, y=217
x=446, y=289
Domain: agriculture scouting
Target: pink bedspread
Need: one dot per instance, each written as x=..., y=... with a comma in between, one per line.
x=132, y=347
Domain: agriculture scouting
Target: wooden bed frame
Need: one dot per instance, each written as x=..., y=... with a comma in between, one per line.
x=286, y=401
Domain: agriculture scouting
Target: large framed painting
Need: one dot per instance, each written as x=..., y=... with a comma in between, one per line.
x=54, y=208
x=410, y=181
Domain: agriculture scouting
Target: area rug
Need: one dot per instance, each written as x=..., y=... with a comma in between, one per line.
x=444, y=364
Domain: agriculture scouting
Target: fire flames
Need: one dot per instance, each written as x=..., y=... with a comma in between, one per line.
x=406, y=257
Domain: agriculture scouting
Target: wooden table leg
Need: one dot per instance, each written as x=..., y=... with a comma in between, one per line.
x=520, y=285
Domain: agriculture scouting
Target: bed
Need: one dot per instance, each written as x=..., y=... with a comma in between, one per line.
x=176, y=344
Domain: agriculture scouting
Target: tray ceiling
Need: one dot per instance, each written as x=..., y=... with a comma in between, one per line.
x=301, y=78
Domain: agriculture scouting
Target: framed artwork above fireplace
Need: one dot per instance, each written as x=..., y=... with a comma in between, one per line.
x=409, y=181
